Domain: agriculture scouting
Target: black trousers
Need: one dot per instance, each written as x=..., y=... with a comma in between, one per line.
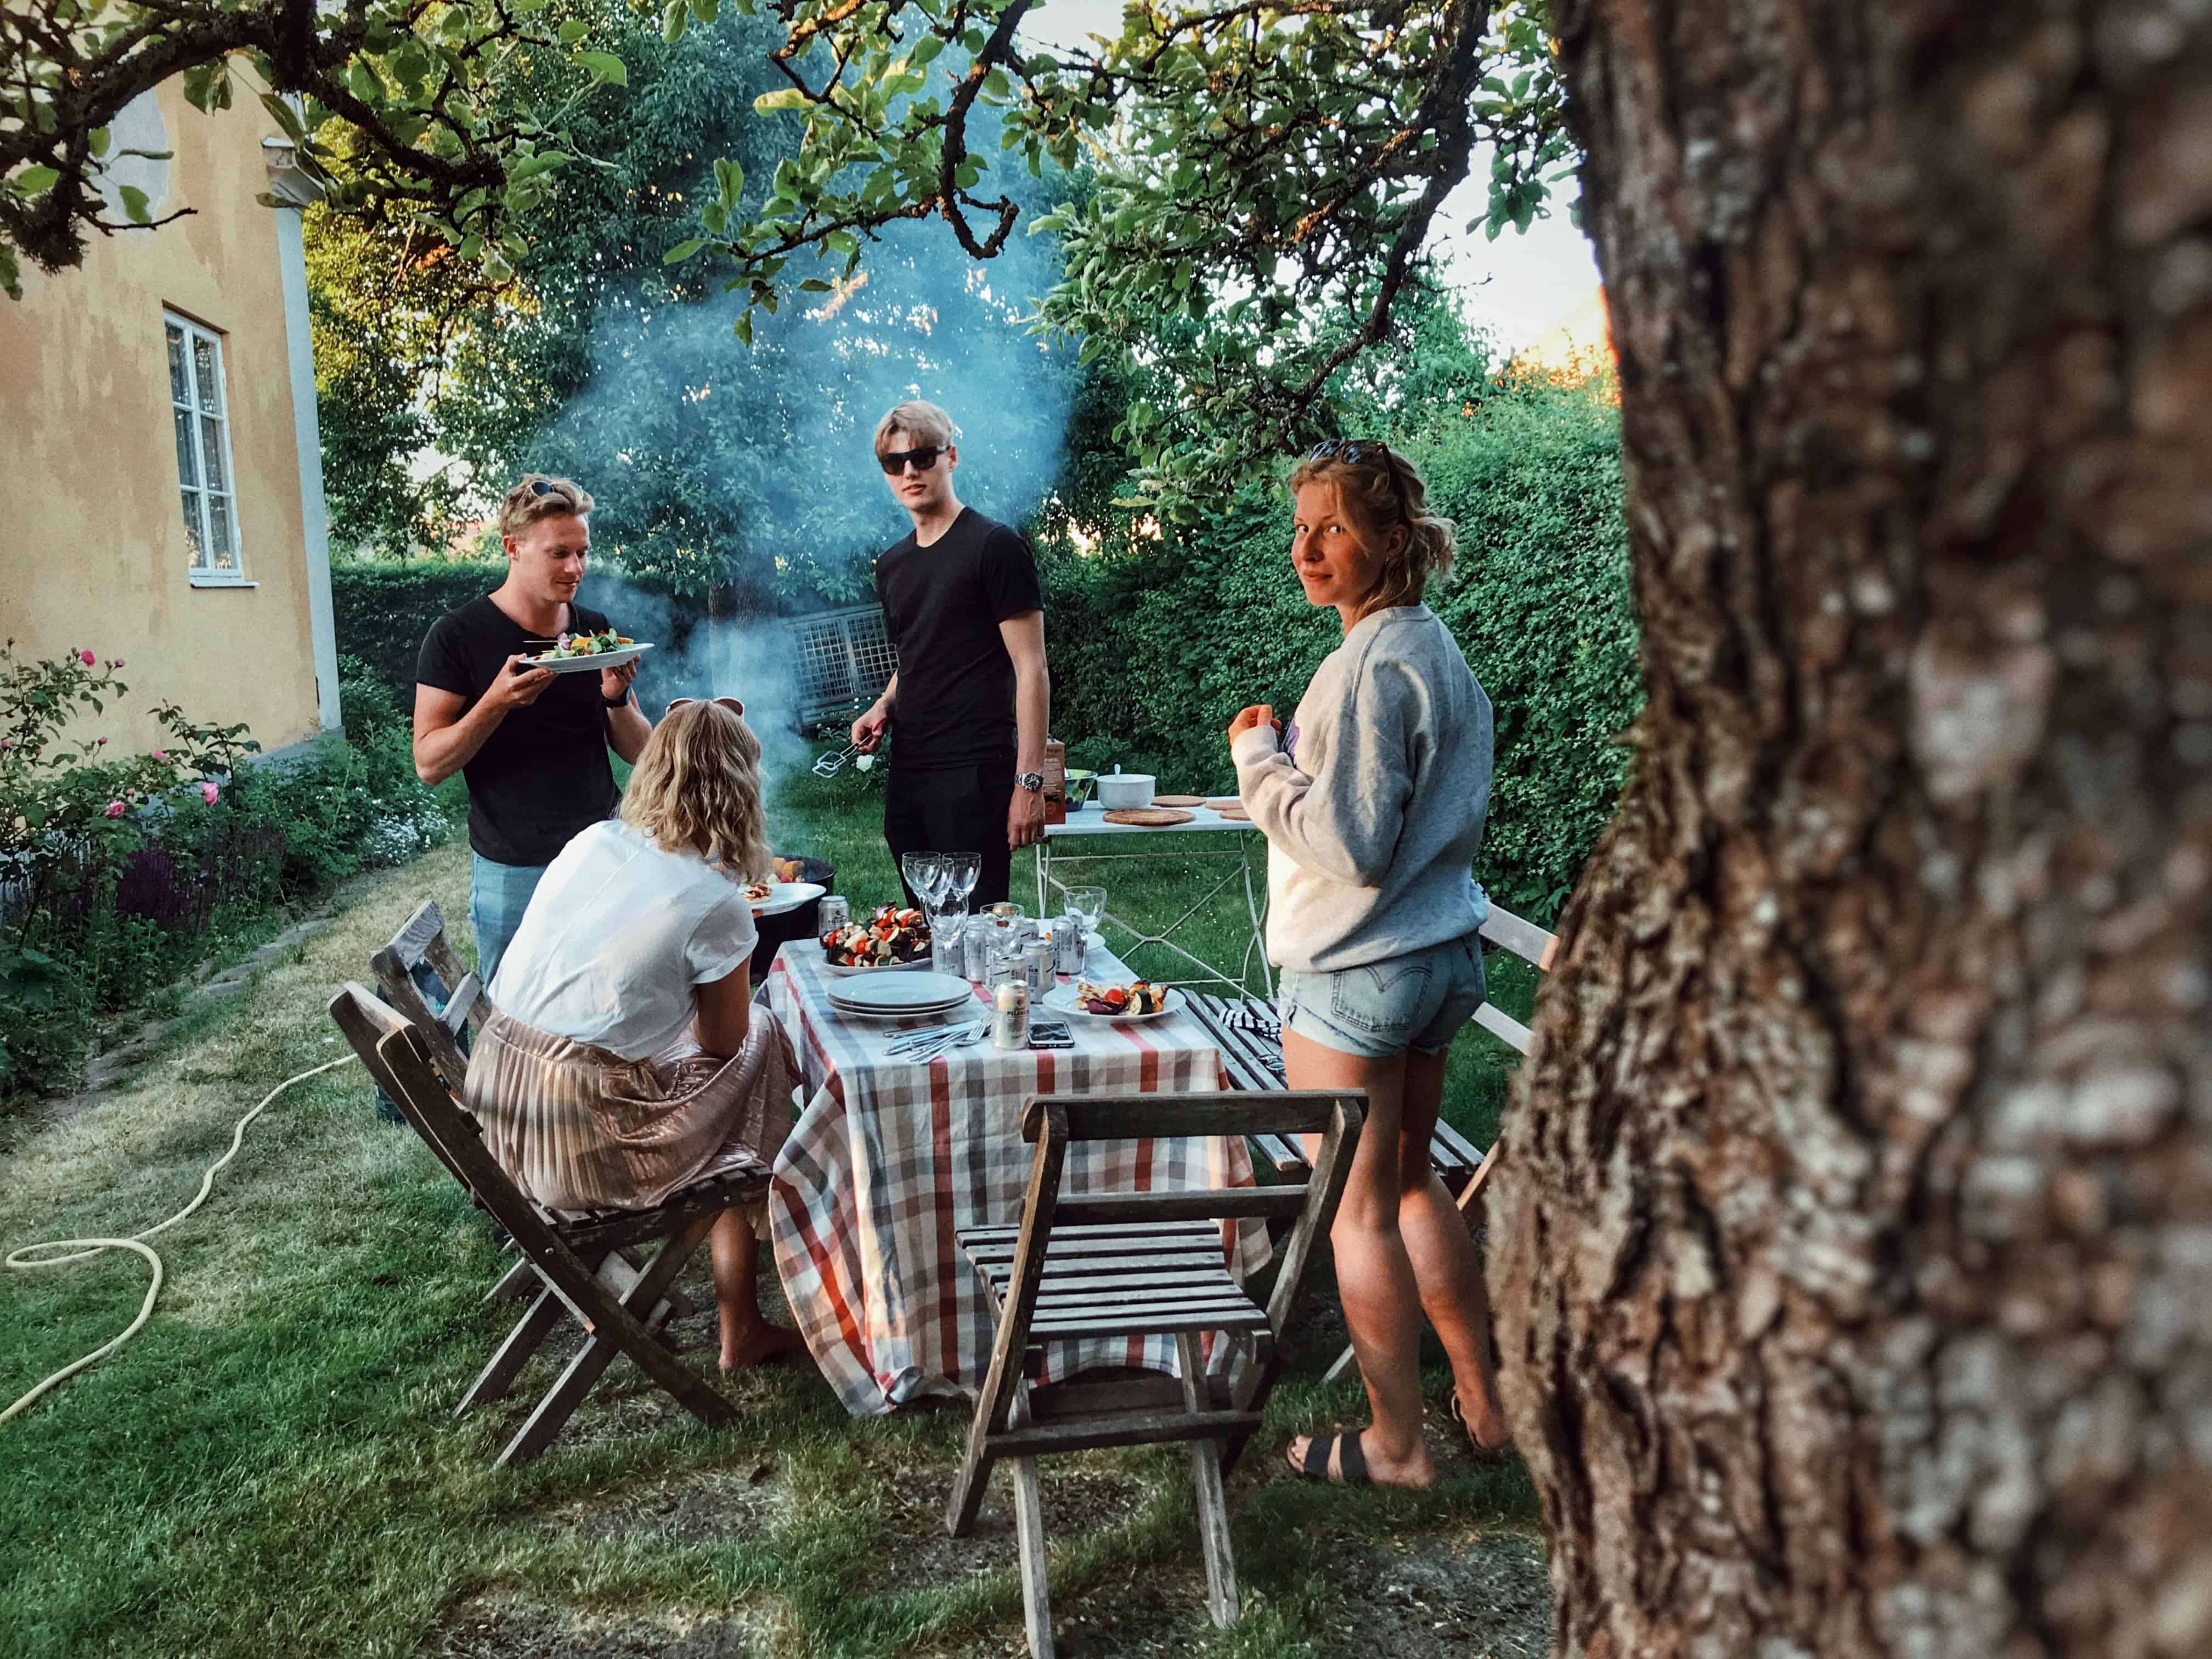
x=958, y=809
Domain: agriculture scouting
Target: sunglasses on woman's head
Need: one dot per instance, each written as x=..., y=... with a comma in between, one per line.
x=730, y=703
x=923, y=458
x=1348, y=449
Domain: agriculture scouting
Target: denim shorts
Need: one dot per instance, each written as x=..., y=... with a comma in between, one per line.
x=1417, y=1001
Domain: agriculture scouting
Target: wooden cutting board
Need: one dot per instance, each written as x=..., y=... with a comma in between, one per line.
x=1149, y=818
x=1233, y=809
x=1178, y=800
x=1223, y=802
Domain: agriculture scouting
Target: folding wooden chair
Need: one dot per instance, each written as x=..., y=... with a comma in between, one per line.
x=577, y=1261
x=1139, y=1264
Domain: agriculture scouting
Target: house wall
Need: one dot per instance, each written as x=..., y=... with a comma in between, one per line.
x=94, y=554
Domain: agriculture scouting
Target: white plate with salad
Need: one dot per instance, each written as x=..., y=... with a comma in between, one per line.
x=573, y=654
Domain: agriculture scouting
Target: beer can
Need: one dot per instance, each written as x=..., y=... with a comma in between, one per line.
x=1010, y=1017
x=1037, y=959
x=1067, y=950
x=975, y=948
x=834, y=913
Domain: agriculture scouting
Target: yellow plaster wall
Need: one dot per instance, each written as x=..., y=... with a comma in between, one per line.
x=94, y=552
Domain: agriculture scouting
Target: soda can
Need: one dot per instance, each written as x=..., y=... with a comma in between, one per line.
x=1037, y=959
x=1010, y=1017
x=975, y=948
x=834, y=913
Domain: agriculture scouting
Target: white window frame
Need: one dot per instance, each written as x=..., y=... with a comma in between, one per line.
x=204, y=572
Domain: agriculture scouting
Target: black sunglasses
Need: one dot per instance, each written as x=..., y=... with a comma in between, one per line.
x=540, y=489
x=923, y=459
x=1348, y=449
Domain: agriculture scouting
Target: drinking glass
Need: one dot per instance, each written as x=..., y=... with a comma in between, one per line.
x=965, y=867
x=1088, y=902
x=921, y=870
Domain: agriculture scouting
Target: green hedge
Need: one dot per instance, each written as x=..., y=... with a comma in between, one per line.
x=1161, y=646
x=383, y=608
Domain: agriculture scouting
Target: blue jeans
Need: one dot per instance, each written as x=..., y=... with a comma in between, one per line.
x=498, y=895
x=1417, y=1001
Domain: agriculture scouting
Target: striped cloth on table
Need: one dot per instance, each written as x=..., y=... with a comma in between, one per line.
x=891, y=1159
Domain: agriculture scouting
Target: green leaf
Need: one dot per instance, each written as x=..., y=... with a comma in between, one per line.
x=682, y=250
x=98, y=139
x=572, y=31
x=782, y=98
x=34, y=180
x=674, y=19
x=706, y=10
x=603, y=66
x=134, y=203
x=743, y=328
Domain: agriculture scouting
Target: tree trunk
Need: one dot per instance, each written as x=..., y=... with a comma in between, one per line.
x=1852, y=1240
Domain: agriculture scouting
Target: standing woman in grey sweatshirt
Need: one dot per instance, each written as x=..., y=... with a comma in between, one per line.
x=1372, y=801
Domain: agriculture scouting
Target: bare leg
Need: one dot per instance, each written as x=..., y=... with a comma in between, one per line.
x=1445, y=1263
x=1373, y=1276
x=748, y=1338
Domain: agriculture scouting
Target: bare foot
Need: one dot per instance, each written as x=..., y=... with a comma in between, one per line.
x=1484, y=1426
x=1383, y=1470
x=761, y=1344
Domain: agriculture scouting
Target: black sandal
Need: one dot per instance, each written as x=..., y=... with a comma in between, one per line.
x=1483, y=1454
x=1351, y=1462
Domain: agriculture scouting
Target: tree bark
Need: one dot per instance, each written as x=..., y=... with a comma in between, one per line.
x=1852, y=1240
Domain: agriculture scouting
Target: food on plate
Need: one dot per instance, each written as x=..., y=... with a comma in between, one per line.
x=758, y=891
x=789, y=869
x=585, y=645
x=1140, y=997
x=891, y=935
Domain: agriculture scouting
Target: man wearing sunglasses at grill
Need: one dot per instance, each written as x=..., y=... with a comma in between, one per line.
x=971, y=698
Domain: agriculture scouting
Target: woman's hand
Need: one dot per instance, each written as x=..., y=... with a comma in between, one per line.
x=1258, y=713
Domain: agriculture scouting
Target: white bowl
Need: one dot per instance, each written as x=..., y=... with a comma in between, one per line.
x=1117, y=790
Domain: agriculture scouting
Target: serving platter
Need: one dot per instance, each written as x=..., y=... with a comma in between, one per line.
x=1064, y=1000
x=1148, y=817
x=594, y=662
x=1178, y=800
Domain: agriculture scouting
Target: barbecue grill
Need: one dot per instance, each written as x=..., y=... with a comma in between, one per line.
x=845, y=659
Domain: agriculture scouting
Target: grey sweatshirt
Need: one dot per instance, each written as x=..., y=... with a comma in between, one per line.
x=1373, y=803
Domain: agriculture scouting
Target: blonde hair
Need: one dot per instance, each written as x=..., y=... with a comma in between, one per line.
x=696, y=788
x=924, y=420
x=527, y=502
x=1377, y=493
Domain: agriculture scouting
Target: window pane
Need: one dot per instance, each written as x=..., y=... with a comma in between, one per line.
x=211, y=452
x=199, y=557
x=219, y=537
x=204, y=357
x=180, y=373
x=188, y=468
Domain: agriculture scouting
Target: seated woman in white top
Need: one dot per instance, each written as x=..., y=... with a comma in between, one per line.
x=623, y=1060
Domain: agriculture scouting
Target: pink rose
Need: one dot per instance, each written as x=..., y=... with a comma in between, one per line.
x=102, y=744
x=114, y=809
x=161, y=754
x=118, y=663
x=208, y=792
x=87, y=658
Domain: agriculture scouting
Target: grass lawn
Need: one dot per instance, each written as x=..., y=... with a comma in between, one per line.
x=270, y=1467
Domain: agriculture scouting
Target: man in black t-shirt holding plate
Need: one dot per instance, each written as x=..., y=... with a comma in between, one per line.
x=971, y=696
x=531, y=743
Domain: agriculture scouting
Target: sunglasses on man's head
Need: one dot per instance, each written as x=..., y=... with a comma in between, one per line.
x=923, y=458
x=540, y=487
x=1348, y=449
x=730, y=703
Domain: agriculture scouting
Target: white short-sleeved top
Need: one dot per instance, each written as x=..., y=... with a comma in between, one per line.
x=617, y=935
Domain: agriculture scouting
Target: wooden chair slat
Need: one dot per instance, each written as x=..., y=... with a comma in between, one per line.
x=1525, y=939
x=1146, y=1319
x=1260, y=1202
x=1162, y=1116
x=462, y=1003
x=1499, y=1023
x=1076, y=1434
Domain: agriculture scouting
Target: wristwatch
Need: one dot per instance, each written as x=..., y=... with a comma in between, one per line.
x=622, y=702
x=1032, y=782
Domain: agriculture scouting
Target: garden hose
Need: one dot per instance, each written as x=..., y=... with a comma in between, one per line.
x=30, y=1257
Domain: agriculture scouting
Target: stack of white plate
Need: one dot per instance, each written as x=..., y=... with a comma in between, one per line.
x=899, y=996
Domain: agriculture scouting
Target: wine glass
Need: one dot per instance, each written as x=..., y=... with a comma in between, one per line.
x=963, y=869
x=1088, y=906
x=923, y=871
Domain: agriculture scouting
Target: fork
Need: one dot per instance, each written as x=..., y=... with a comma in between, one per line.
x=930, y=1039
x=965, y=1040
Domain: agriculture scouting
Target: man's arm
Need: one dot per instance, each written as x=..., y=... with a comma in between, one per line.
x=868, y=730
x=447, y=739
x=1024, y=638
x=627, y=726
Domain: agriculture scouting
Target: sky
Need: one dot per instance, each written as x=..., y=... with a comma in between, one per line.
x=1520, y=287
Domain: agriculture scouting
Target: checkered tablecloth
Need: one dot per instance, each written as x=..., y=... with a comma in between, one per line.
x=889, y=1158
